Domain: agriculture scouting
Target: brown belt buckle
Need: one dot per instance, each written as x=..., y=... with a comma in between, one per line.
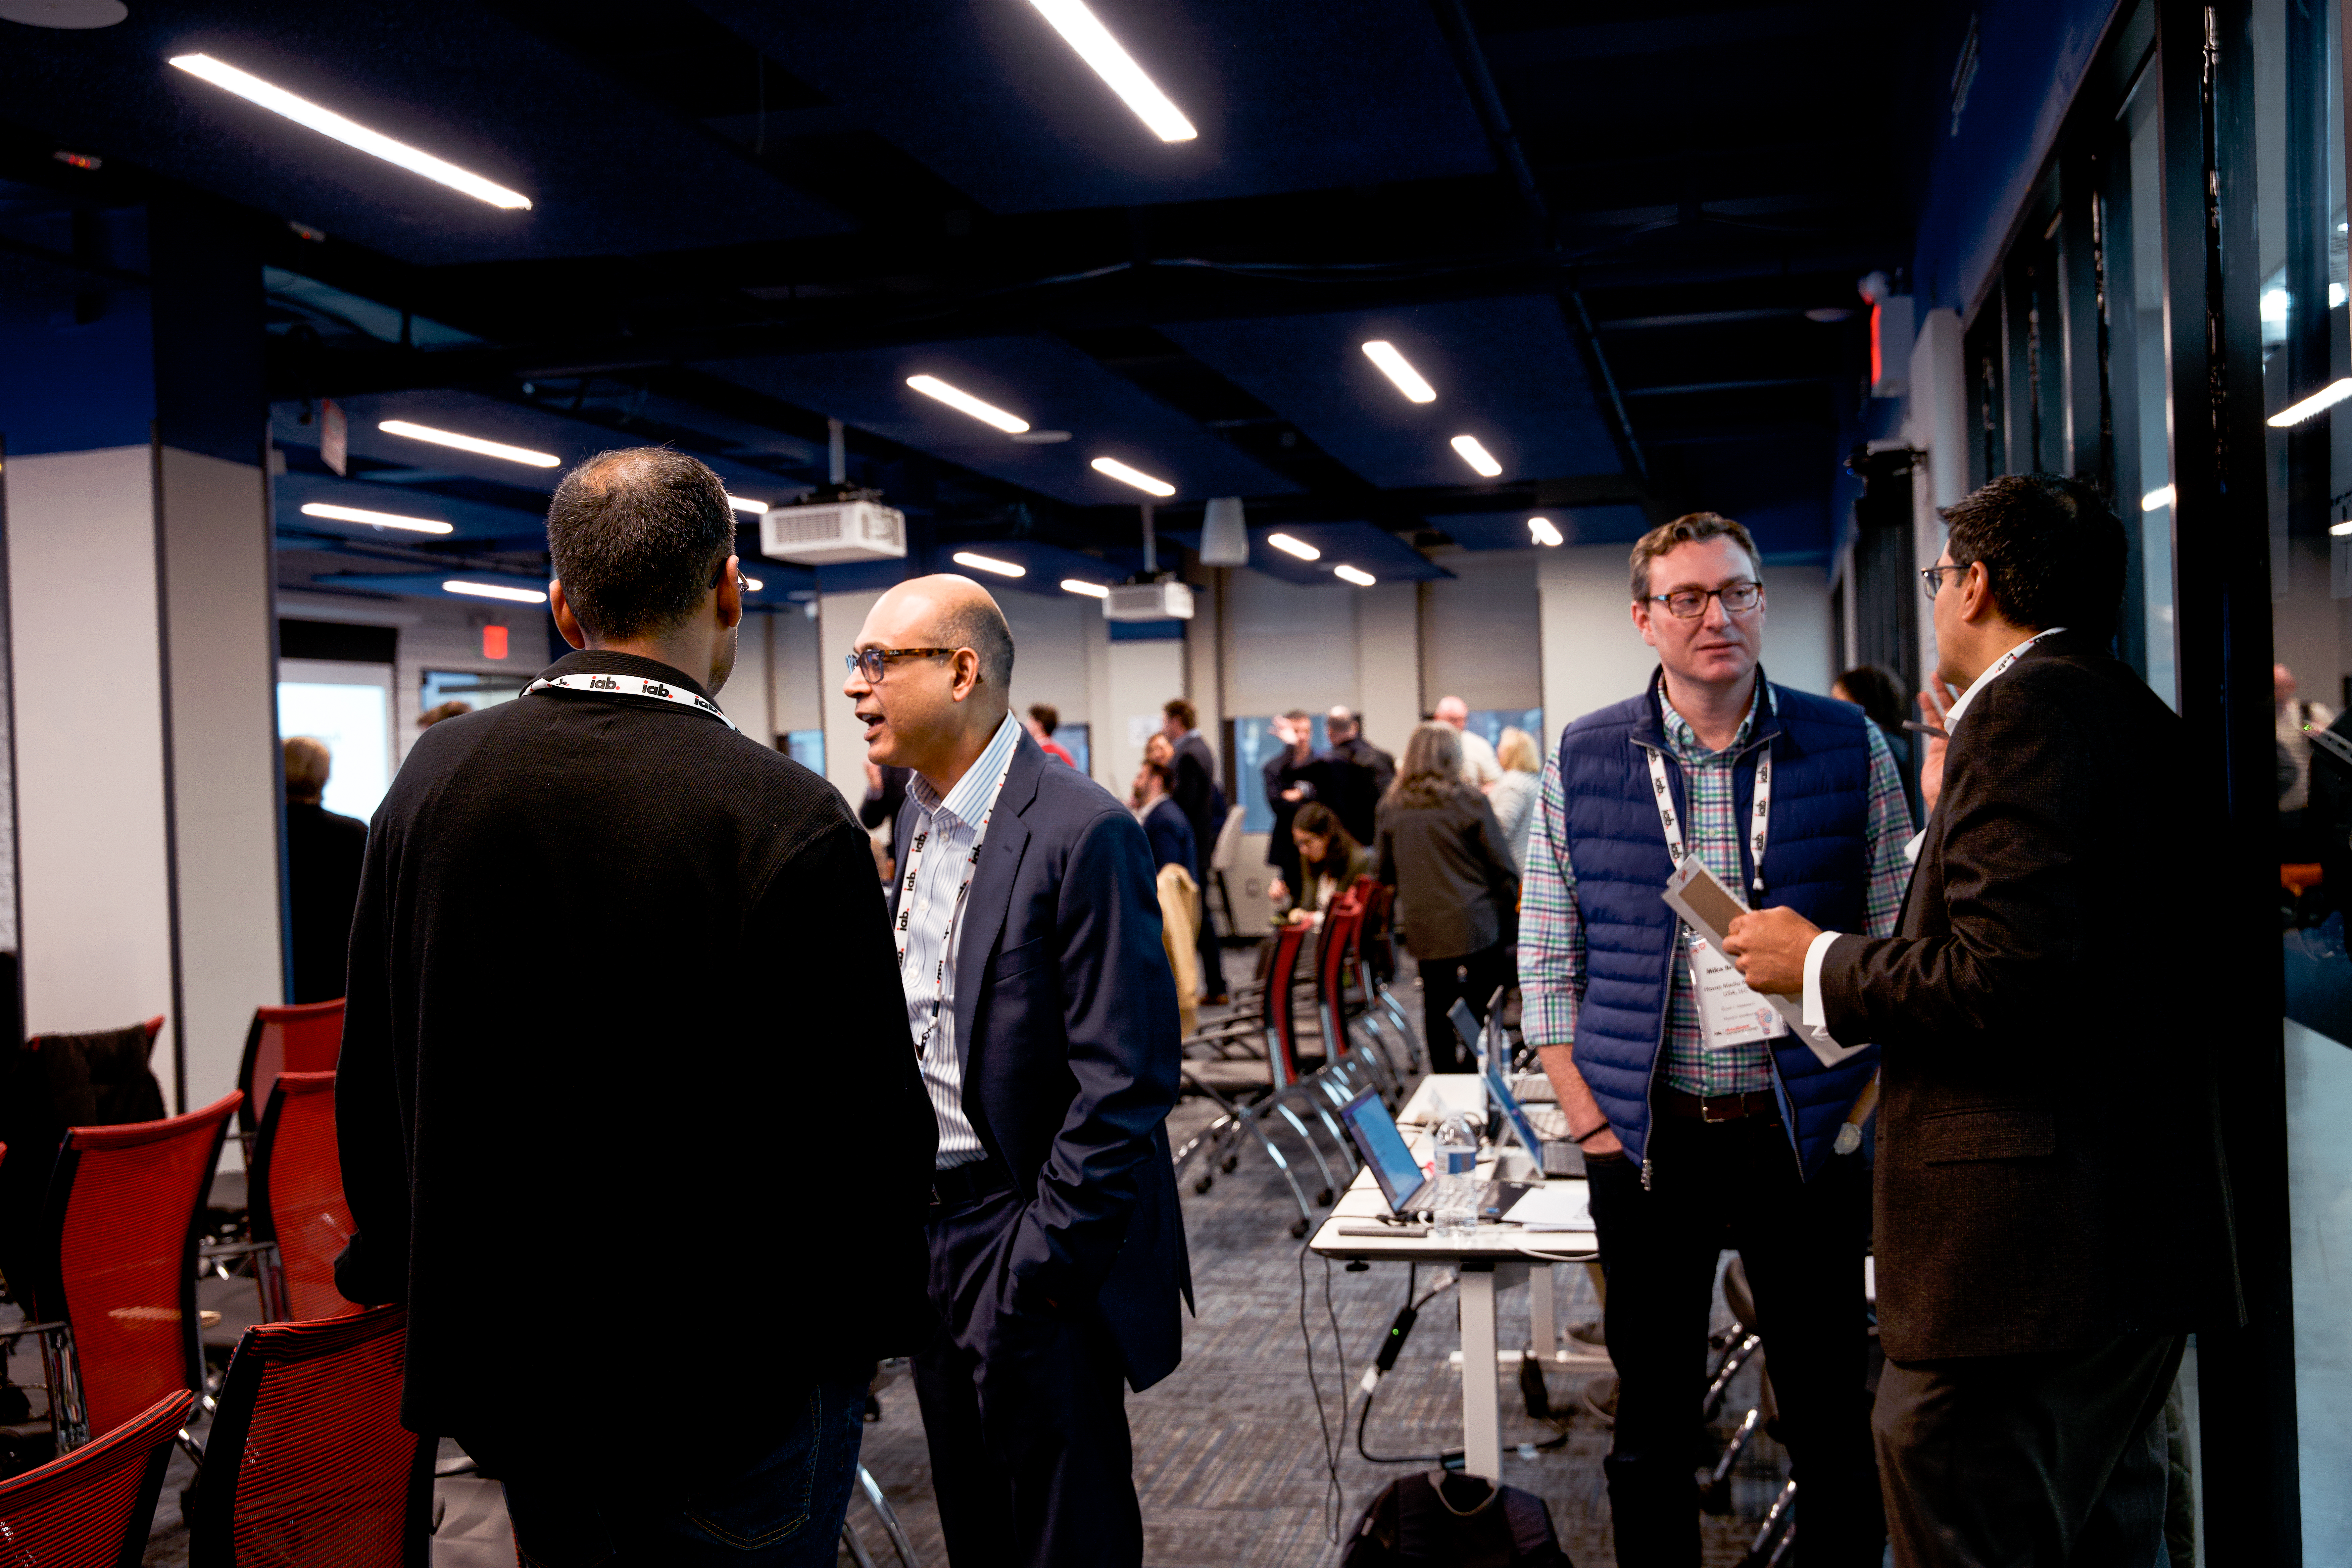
x=1707, y=1114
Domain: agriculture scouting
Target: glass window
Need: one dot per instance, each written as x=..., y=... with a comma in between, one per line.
x=1079, y=740
x=806, y=747
x=348, y=707
x=466, y=686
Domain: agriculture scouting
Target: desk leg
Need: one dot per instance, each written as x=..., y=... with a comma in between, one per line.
x=1481, y=1409
x=1543, y=1312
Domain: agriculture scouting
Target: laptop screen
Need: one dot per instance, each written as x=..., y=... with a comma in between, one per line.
x=1498, y=1088
x=1383, y=1148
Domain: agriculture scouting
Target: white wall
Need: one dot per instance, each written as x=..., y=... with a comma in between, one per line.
x=1387, y=664
x=1289, y=646
x=1481, y=631
x=800, y=696
x=1935, y=422
x=1796, y=629
x=839, y=616
x=1052, y=660
x=1139, y=678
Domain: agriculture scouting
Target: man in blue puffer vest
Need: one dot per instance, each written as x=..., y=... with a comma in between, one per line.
x=1704, y=1121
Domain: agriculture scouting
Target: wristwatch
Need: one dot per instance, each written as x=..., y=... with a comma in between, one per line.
x=1849, y=1137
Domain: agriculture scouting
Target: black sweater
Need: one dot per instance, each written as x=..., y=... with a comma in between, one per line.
x=662, y=1162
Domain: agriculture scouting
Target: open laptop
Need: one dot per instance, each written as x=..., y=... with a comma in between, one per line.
x=1543, y=1134
x=1399, y=1174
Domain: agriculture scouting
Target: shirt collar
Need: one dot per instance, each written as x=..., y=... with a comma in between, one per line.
x=1992, y=672
x=976, y=790
x=1684, y=740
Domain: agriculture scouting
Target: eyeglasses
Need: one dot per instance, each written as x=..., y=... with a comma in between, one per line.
x=1933, y=576
x=1689, y=603
x=873, y=662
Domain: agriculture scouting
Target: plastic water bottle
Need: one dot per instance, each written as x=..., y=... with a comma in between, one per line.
x=1455, y=1215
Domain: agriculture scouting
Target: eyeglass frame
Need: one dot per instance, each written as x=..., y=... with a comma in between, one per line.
x=854, y=662
x=1933, y=577
x=1750, y=584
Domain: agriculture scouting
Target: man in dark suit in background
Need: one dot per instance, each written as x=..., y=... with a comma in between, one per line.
x=1288, y=780
x=1171, y=836
x=323, y=854
x=1352, y=774
x=1039, y=1003
x=2048, y=1128
x=1202, y=800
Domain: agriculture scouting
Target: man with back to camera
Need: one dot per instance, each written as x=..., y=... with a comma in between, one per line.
x=1702, y=1127
x=1352, y=774
x=1040, y=1005
x=700, y=1042
x=1202, y=800
x=1481, y=770
x=2042, y=1137
x=324, y=851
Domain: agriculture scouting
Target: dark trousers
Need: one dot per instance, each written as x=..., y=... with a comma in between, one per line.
x=2030, y=1461
x=1026, y=1416
x=1212, y=951
x=1714, y=1185
x=781, y=1511
x=1472, y=978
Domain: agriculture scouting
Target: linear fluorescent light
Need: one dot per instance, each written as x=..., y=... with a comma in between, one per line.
x=473, y=444
x=1298, y=547
x=1351, y=575
x=1477, y=457
x=1083, y=32
x=494, y=590
x=1394, y=366
x=1543, y=531
x=378, y=518
x=963, y=401
x=753, y=584
x=1091, y=590
x=2327, y=397
x=1135, y=477
x=327, y=122
x=2340, y=529
x=756, y=508
x=989, y=563
x=2157, y=500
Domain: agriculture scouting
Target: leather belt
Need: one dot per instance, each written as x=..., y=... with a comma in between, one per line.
x=1719, y=1108
x=960, y=1187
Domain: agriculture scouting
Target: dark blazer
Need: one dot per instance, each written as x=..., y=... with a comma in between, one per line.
x=1452, y=872
x=323, y=852
x=1197, y=793
x=1352, y=778
x=704, y=1030
x=1172, y=837
x=1067, y=1025
x=2048, y=1169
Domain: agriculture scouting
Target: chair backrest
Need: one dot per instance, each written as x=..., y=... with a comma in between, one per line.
x=306, y=1461
x=1280, y=1016
x=297, y=1197
x=1227, y=853
x=92, y=1508
x=125, y=1205
x=305, y=1038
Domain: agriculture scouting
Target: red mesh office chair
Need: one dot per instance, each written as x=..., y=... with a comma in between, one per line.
x=92, y=1508
x=306, y=1038
x=308, y=1463
x=297, y=1198
x=125, y=1205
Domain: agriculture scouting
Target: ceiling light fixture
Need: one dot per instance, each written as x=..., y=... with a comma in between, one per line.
x=756, y=508
x=1351, y=575
x=1394, y=366
x=752, y=584
x=1543, y=531
x=1298, y=547
x=473, y=444
x=2157, y=500
x=1091, y=590
x=2340, y=529
x=963, y=401
x=494, y=590
x=327, y=122
x=1084, y=32
x=989, y=563
x=373, y=519
x=2327, y=397
x=1477, y=457
x=1118, y=470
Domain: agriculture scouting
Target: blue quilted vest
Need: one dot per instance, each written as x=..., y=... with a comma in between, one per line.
x=1816, y=861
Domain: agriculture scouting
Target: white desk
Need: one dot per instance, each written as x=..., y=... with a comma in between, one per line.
x=1496, y=1258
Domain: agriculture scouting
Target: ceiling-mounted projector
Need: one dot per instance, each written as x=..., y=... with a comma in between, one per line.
x=1149, y=601
x=826, y=532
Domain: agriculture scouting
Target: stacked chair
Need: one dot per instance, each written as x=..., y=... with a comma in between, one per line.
x=296, y=1201
x=305, y=1039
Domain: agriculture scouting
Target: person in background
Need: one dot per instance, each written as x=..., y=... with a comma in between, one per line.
x=1163, y=822
x=1044, y=720
x=1331, y=862
x=324, y=853
x=1287, y=778
x=1879, y=696
x=1441, y=849
x=2301, y=841
x=1202, y=800
x=1157, y=748
x=1514, y=795
x=449, y=709
x=885, y=793
x=475, y=1100
x=1352, y=776
x=1479, y=768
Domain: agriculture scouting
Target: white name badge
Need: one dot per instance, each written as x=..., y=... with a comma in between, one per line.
x=1730, y=1014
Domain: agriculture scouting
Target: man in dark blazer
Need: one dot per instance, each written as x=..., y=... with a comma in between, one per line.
x=1201, y=799
x=1041, y=1008
x=1171, y=835
x=2052, y=1211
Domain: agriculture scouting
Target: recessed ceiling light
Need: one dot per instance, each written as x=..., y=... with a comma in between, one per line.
x=327, y=122
x=494, y=590
x=1477, y=457
x=1351, y=575
x=989, y=563
x=1543, y=531
x=756, y=508
x=963, y=401
x=1084, y=32
x=473, y=444
x=1091, y=590
x=2327, y=397
x=1395, y=367
x=1135, y=477
x=375, y=518
x=2157, y=500
x=1298, y=547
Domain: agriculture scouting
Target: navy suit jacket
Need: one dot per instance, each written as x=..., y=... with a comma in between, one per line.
x=1171, y=836
x=1066, y=1025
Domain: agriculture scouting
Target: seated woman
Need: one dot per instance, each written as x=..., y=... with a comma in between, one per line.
x=1329, y=862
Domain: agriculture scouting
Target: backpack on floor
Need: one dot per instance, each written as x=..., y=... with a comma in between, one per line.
x=1456, y=1520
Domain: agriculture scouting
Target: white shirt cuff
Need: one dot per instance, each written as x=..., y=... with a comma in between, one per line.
x=1816, y=1015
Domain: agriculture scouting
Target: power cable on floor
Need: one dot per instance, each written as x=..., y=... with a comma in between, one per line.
x=1392, y=1345
x=1335, y=1497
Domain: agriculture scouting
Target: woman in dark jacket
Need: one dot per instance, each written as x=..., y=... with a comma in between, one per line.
x=1441, y=849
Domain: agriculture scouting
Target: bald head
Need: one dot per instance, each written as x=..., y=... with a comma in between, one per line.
x=1452, y=711
x=935, y=710
x=947, y=610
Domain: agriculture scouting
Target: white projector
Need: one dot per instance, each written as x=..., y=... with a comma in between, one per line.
x=833, y=531
x=1149, y=601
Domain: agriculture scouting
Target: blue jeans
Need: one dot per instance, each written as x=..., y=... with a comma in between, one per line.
x=783, y=1511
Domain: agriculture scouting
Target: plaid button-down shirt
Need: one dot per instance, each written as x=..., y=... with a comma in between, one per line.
x=1552, y=928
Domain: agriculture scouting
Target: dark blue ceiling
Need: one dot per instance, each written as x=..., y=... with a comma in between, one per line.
x=1577, y=525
